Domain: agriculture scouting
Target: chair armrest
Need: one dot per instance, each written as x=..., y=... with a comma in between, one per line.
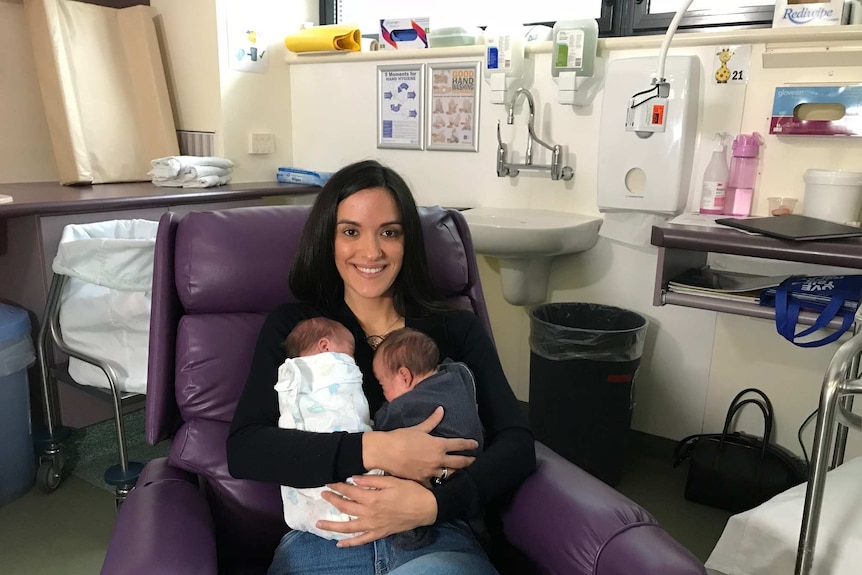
x=570, y=523
x=164, y=526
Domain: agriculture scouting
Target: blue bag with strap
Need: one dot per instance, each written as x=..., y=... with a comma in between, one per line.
x=829, y=296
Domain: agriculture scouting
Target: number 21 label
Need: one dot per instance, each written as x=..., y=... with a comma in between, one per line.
x=732, y=64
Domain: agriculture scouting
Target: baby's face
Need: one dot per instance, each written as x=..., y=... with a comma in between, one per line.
x=391, y=381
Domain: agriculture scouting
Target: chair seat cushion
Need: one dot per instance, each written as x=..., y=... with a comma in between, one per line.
x=247, y=514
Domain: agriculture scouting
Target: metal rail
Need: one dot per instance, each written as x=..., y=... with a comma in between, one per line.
x=840, y=383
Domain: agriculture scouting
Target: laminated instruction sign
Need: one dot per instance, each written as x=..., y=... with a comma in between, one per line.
x=454, y=106
x=400, y=105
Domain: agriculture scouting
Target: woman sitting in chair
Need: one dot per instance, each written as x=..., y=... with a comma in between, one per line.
x=361, y=261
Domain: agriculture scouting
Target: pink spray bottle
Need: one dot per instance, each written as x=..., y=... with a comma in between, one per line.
x=743, y=173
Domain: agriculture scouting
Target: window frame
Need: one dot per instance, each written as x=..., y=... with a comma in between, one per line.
x=642, y=23
x=620, y=18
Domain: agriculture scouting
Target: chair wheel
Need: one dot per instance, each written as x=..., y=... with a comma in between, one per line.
x=50, y=473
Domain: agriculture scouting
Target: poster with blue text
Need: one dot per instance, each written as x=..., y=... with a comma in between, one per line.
x=400, y=106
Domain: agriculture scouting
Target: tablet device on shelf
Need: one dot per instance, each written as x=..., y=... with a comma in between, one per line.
x=793, y=227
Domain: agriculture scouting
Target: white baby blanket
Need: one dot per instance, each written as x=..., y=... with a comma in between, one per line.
x=172, y=166
x=321, y=393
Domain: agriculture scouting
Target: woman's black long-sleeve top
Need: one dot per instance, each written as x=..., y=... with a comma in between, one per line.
x=258, y=449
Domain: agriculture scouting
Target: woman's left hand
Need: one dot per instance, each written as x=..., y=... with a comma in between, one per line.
x=382, y=505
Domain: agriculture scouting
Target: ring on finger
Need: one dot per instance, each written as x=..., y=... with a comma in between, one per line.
x=442, y=477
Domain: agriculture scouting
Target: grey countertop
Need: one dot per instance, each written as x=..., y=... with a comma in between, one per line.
x=839, y=252
x=50, y=198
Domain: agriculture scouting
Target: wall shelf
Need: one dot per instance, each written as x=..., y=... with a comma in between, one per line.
x=684, y=247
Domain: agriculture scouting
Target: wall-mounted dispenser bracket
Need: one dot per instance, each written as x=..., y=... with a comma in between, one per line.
x=577, y=90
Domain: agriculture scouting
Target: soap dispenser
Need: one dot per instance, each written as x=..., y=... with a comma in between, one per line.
x=715, y=178
x=573, y=56
x=504, y=59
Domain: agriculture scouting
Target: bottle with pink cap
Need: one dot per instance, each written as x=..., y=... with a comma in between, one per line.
x=743, y=173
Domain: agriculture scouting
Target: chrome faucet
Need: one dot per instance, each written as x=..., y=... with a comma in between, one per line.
x=504, y=168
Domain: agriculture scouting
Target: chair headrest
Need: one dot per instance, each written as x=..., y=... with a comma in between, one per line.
x=220, y=254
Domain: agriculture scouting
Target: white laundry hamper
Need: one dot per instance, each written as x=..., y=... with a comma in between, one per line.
x=105, y=304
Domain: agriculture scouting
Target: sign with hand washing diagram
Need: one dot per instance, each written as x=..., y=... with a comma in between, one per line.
x=453, y=106
x=400, y=106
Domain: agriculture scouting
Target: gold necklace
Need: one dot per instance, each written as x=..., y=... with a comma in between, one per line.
x=375, y=340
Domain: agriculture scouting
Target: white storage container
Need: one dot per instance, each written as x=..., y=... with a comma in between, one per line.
x=833, y=195
x=454, y=36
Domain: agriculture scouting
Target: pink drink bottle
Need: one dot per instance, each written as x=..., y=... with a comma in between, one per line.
x=743, y=173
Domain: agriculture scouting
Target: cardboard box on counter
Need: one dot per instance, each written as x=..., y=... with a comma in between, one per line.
x=792, y=13
x=404, y=33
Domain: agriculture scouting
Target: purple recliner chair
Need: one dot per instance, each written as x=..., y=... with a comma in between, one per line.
x=216, y=276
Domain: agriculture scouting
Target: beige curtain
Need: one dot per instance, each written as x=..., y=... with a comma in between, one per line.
x=103, y=88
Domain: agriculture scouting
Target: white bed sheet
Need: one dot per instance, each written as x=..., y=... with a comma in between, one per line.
x=763, y=540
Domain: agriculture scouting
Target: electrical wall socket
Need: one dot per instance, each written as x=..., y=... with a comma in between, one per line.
x=261, y=143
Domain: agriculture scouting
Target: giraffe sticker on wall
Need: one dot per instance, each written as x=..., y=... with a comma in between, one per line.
x=732, y=64
x=722, y=75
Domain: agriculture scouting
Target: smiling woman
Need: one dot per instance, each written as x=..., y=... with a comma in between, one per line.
x=361, y=261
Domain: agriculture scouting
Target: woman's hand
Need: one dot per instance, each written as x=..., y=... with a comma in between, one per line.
x=412, y=453
x=382, y=505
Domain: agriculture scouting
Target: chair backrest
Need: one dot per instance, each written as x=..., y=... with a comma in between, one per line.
x=217, y=274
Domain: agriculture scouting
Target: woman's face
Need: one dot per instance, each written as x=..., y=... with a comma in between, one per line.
x=369, y=244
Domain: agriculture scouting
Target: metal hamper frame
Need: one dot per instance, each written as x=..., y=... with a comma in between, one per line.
x=52, y=459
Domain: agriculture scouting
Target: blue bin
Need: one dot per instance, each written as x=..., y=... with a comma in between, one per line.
x=17, y=460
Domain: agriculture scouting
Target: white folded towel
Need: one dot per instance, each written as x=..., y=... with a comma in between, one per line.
x=202, y=182
x=171, y=166
x=208, y=182
x=190, y=173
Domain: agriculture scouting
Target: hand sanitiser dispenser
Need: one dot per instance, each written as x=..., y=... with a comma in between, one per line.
x=647, y=170
x=504, y=60
x=573, y=57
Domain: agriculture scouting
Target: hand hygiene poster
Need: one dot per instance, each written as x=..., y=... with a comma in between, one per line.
x=400, y=113
x=453, y=102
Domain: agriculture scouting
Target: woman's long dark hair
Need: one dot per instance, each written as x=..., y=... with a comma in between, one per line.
x=313, y=276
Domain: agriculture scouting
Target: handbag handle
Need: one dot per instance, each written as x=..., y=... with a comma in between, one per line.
x=769, y=416
x=767, y=423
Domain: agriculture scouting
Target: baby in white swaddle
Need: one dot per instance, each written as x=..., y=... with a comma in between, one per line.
x=319, y=389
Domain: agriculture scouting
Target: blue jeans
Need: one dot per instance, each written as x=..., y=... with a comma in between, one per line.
x=454, y=552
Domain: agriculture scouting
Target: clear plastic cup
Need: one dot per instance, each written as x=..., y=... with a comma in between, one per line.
x=779, y=206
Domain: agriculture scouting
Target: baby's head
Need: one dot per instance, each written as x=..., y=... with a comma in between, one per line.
x=319, y=335
x=404, y=359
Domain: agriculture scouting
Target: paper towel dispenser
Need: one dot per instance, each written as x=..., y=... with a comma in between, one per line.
x=647, y=171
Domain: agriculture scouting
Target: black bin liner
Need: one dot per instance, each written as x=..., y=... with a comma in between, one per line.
x=583, y=365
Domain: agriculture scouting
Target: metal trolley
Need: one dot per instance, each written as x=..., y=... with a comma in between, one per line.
x=841, y=382
x=52, y=459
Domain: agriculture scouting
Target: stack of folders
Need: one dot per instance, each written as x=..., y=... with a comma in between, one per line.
x=723, y=284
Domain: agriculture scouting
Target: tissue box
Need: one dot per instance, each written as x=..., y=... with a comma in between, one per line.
x=788, y=119
x=404, y=33
x=792, y=13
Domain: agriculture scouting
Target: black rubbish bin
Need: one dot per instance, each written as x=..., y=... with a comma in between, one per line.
x=583, y=363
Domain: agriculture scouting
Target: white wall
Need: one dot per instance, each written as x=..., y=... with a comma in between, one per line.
x=209, y=95
x=695, y=360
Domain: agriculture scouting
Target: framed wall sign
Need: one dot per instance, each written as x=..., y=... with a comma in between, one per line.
x=453, y=106
x=401, y=106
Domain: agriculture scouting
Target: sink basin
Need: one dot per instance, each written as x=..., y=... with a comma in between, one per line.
x=525, y=241
x=513, y=232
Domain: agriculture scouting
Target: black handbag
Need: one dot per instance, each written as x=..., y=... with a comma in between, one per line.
x=736, y=471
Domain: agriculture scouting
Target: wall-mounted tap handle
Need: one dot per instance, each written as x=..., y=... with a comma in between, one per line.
x=502, y=169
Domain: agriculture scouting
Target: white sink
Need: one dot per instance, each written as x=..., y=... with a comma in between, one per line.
x=525, y=241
